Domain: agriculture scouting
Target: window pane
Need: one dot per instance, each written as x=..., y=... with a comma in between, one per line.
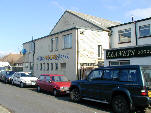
x=68, y=41
x=52, y=44
x=95, y=74
x=144, y=30
x=125, y=35
x=107, y=75
x=57, y=43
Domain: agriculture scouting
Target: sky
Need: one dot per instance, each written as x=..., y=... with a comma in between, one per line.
x=22, y=19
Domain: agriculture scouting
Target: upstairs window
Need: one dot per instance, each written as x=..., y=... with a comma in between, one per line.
x=67, y=41
x=124, y=35
x=144, y=30
x=51, y=48
x=100, y=51
x=56, y=43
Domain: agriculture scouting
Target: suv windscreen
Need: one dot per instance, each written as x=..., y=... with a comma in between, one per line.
x=146, y=71
x=26, y=75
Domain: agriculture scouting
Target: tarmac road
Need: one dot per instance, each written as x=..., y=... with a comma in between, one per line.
x=27, y=100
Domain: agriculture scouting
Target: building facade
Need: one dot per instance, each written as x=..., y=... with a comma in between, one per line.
x=75, y=43
x=130, y=43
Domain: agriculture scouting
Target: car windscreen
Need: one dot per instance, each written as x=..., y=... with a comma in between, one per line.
x=146, y=71
x=10, y=72
x=2, y=68
x=26, y=75
x=59, y=78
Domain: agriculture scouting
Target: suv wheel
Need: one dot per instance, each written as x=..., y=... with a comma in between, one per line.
x=75, y=95
x=21, y=85
x=120, y=105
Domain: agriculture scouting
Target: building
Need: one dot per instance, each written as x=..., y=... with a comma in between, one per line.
x=130, y=43
x=75, y=44
x=15, y=61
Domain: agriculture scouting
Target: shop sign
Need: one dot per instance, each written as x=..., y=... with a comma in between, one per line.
x=129, y=52
x=53, y=57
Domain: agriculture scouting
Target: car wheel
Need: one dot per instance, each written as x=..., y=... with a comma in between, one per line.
x=6, y=81
x=12, y=82
x=75, y=95
x=21, y=85
x=120, y=104
x=55, y=92
x=38, y=89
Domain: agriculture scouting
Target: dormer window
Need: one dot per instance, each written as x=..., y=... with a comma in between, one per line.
x=124, y=35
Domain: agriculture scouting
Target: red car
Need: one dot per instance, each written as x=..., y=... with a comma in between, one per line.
x=57, y=84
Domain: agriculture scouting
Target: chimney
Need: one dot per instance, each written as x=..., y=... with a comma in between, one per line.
x=132, y=18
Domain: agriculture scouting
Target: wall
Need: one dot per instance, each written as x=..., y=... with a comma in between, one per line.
x=43, y=49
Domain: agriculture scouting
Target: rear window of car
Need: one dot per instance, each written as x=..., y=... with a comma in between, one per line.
x=59, y=78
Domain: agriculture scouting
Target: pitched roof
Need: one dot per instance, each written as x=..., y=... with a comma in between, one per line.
x=12, y=58
x=100, y=22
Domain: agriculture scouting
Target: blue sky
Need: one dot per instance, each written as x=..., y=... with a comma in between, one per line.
x=22, y=19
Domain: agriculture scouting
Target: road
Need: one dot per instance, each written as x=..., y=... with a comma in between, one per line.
x=27, y=100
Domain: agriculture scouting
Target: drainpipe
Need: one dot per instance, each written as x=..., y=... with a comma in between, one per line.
x=77, y=55
x=135, y=32
x=33, y=53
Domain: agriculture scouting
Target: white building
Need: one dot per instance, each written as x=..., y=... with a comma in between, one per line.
x=130, y=43
x=77, y=41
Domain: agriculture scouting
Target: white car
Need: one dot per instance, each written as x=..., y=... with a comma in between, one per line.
x=23, y=79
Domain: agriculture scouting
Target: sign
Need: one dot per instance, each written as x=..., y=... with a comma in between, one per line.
x=129, y=52
x=53, y=57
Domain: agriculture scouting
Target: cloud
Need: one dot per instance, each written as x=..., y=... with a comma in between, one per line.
x=58, y=5
x=140, y=13
x=3, y=53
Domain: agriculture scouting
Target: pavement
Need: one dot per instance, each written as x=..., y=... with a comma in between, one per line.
x=4, y=110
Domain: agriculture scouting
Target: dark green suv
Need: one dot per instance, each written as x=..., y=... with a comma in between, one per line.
x=124, y=87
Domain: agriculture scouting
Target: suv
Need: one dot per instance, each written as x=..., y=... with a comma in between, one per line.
x=124, y=87
x=57, y=84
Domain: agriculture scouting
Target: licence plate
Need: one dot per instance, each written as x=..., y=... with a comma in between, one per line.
x=149, y=93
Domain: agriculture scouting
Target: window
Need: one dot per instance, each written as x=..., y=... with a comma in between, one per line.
x=31, y=47
x=124, y=35
x=47, y=78
x=41, y=77
x=110, y=74
x=44, y=66
x=47, y=66
x=51, y=45
x=100, y=51
x=128, y=75
x=51, y=66
x=56, y=66
x=37, y=66
x=40, y=66
x=56, y=43
x=144, y=30
x=67, y=41
x=63, y=65
x=95, y=75
x=117, y=63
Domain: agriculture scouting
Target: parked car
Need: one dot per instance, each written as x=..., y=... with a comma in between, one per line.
x=124, y=87
x=2, y=73
x=23, y=79
x=57, y=84
x=7, y=75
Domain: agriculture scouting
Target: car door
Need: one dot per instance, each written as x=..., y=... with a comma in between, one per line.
x=15, y=78
x=90, y=86
x=48, y=83
x=108, y=82
x=41, y=81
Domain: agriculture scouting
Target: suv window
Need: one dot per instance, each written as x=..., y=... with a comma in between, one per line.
x=128, y=75
x=110, y=74
x=96, y=74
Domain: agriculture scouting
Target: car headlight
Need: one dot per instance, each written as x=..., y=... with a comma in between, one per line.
x=64, y=88
x=23, y=81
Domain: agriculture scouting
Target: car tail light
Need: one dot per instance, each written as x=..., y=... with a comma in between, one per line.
x=144, y=93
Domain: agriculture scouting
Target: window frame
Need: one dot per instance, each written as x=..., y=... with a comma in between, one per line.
x=67, y=41
x=124, y=31
x=144, y=29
